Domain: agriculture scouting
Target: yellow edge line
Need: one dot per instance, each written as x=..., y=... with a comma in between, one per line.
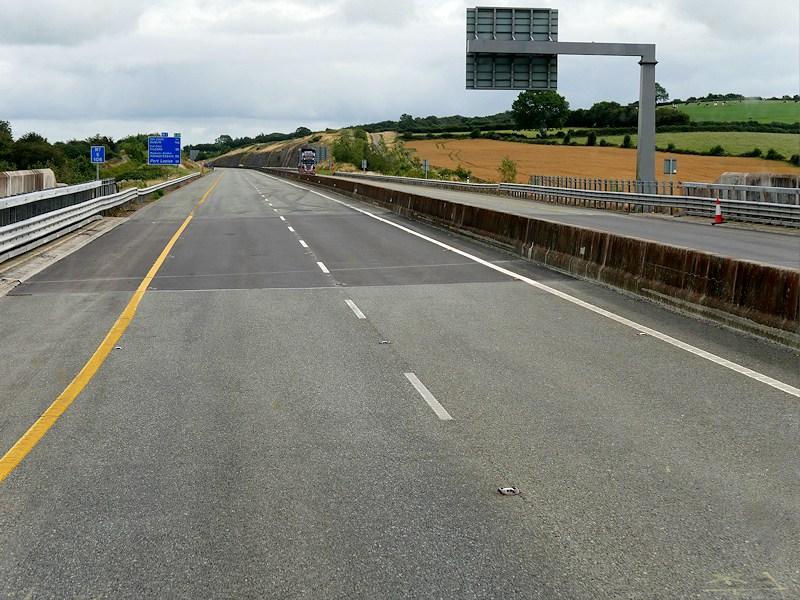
x=26, y=443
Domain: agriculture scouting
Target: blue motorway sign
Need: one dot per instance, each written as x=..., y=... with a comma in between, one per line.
x=98, y=154
x=162, y=150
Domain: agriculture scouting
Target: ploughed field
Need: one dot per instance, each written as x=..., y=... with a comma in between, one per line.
x=483, y=157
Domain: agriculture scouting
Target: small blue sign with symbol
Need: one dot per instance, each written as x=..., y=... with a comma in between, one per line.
x=98, y=154
x=163, y=150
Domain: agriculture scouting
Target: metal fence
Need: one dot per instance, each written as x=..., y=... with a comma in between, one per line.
x=606, y=185
x=19, y=236
x=748, y=210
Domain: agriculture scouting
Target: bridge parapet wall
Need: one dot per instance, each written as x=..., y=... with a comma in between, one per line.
x=22, y=182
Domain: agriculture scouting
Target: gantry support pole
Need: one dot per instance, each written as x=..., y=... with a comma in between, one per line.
x=646, y=134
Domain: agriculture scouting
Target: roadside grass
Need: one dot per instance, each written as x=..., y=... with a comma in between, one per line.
x=764, y=111
x=152, y=174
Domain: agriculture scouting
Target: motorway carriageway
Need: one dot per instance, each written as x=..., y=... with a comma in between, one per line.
x=253, y=389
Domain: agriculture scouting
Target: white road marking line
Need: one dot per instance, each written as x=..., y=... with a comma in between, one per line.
x=429, y=398
x=355, y=309
x=290, y=229
x=303, y=244
x=784, y=387
x=323, y=267
x=283, y=218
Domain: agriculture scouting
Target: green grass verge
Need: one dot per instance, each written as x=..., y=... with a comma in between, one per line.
x=765, y=111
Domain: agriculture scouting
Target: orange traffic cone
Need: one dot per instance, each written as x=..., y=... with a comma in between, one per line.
x=718, y=215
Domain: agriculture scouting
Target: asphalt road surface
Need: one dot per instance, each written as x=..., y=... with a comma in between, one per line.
x=319, y=399
x=762, y=243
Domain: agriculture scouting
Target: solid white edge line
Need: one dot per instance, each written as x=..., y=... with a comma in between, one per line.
x=355, y=309
x=323, y=267
x=428, y=397
x=784, y=387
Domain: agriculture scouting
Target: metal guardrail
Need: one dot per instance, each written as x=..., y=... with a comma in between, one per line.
x=745, y=210
x=20, y=237
x=20, y=207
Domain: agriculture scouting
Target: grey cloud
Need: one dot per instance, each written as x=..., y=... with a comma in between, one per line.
x=43, y=22
x=379, y=12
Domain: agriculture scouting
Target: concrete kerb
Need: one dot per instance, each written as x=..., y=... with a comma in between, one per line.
x=760, y=299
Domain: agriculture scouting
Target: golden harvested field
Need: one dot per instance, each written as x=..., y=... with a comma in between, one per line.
x=483, y=157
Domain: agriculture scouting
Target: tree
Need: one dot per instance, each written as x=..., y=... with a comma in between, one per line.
x=507, y=170
x=32, y=151
x=302, y=132
x=608, y=114
x=224, y=140
x=5, y=139
x=661, y=93
x=671, y=116
x=539, y=110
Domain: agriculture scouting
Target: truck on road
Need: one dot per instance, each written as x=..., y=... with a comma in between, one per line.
x=308, y=161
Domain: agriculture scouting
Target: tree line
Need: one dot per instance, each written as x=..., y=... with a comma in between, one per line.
x=70, y=161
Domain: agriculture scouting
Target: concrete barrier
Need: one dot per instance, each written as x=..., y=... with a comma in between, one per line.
x=755, y=297
x=22, y=182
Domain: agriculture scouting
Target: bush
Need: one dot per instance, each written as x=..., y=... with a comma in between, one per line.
x=567, y=139
x=671, y=116
x=772, y=154
x=716, y=151
x=143, y=173
x=591, y=139
x=795, y=160
x=626, y=141
x=475, y=133
x=754, y=153
x=507, y=170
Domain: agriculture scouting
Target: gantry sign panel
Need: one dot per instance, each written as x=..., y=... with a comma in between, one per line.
x=511, y=71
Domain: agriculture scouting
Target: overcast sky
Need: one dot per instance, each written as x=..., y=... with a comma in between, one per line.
x=73, y=68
